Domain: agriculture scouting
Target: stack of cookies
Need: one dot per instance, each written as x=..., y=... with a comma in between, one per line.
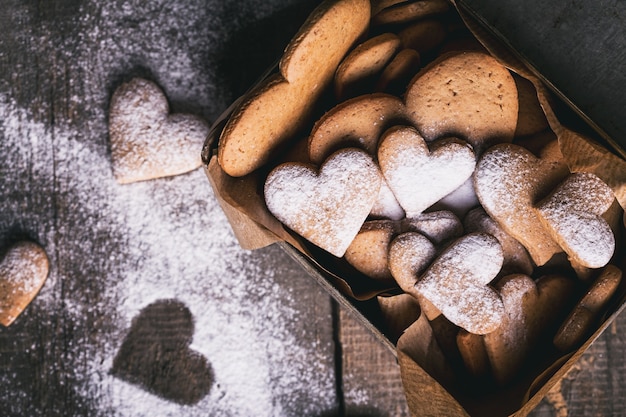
x=392, y=140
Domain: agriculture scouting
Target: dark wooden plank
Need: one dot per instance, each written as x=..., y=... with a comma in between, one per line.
x=248, y=333
x=370, y=375
x=129, y=259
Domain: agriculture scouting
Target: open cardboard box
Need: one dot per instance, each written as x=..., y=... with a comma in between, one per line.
x=428, y=388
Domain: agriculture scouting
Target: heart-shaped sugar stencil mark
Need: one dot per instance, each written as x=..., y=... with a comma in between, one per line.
x=508, y=181
x=457, y=283
x=572, y=214
x=155, y=354
x=147, y=142
x=419, y=176
x=327, y=208
x=23, y=271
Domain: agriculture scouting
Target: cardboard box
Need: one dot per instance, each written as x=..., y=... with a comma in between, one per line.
x=430, y=384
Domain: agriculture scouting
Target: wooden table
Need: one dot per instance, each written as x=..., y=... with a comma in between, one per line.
x=151, y=308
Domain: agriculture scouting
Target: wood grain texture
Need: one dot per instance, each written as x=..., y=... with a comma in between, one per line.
x=125, y=261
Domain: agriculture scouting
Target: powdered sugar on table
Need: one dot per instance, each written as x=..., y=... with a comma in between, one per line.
x=116, y=249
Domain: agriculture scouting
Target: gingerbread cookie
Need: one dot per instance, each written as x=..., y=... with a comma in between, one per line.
x=438, y=226
x=508, y=181
x=424, y=35
x=409, y=11
x=357, y=122
x=531, y=309
x=457, y=283
x=23, y=271
x=368, y=252
x=148, y=142
x=417, y=175
x=327, y=207
x=572, y=214
x=516, y=258
x=469, y=95
x=358, y=72
x=409, y=255
x=272, y=113
x=396, y=75
x=588, y=310
x=473, y=353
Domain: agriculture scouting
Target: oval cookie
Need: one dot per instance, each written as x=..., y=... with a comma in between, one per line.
x=273, y=112
x=368, y=252
x=357, y=73
x=469, y=95
x=357, y=122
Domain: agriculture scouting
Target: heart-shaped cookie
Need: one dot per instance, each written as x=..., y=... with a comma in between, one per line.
x=532, y=308
x=516, y=258
x=409, y=255
x=438, y=226
x=155, y=354
x=419, y=176
x=457, y=283
x=369, y=251
x=148, y=142
x=23, y=271
x=327, y=208
x=508, y=181
x=572, y=214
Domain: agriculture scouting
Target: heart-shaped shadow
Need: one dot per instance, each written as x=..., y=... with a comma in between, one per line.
x=156, y=355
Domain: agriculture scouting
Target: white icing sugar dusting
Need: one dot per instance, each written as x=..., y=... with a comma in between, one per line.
x=24, y=267
x=386, y=206
x=457, y=283
x=126, y=247
x=585, y=237
x=148, y=142
x=420, y=177
x=572, y=213
x=327, y=209
x=507, y=180
x=167, y=239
